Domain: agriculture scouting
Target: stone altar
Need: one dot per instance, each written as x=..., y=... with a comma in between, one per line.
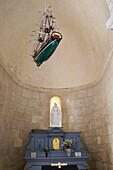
x=35, y=156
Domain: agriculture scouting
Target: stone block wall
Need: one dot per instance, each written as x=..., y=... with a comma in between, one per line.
x=21, y=109
x=89, y=110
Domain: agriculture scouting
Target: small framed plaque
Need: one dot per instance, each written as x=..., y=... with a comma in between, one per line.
x=33, y=154
x=78, y=154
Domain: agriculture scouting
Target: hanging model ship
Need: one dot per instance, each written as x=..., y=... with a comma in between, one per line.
x=48, y=38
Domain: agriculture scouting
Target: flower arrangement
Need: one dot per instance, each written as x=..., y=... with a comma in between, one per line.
x=46, y=150
x=67, y=143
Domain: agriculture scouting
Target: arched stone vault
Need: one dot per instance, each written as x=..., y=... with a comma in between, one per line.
x=82, y=54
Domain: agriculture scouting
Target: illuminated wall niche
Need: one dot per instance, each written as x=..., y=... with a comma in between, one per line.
x=55, y=112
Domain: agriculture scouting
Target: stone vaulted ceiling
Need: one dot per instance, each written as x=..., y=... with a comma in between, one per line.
x=81, y=56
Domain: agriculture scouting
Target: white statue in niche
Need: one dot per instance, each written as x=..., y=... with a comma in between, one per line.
x=55, y=116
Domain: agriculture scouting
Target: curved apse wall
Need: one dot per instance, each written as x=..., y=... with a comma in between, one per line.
x=89, y=110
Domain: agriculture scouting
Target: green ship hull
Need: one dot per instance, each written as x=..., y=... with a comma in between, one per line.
x=46, y=53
